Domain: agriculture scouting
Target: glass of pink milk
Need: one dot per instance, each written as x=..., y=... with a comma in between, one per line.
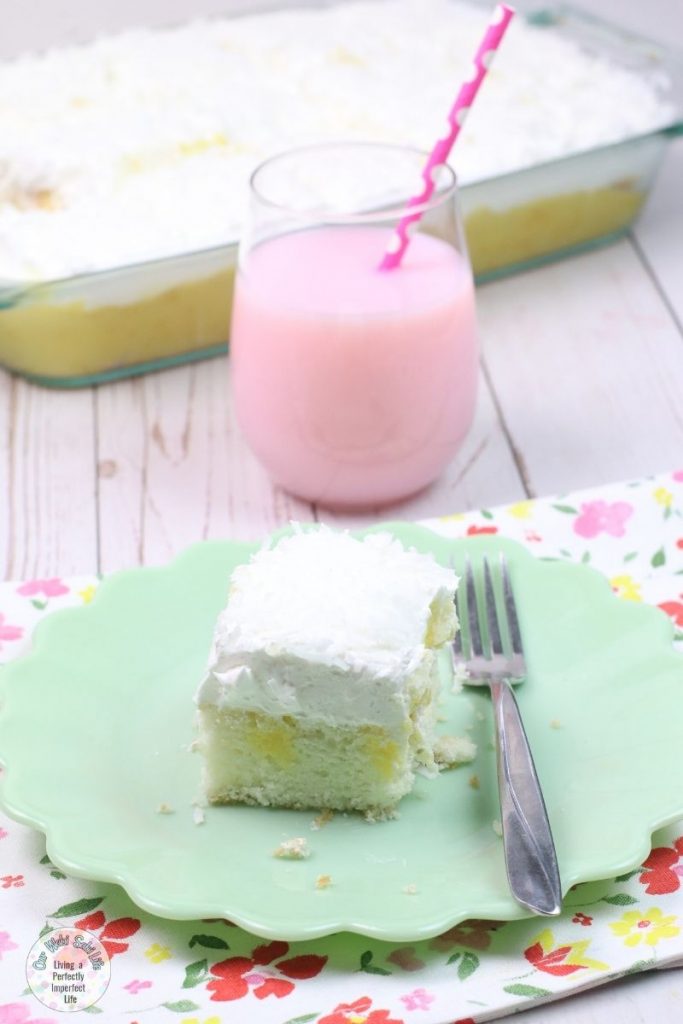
x=354, y=386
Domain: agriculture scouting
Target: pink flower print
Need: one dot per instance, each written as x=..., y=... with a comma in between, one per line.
x=418, y=999
x=678, y=476
x=48, y=588
x=8, y=632
x=9, y=881
x=3, y=833
x=136, y=986
x=602, y=517
x=6, y=943
x=17, y=1013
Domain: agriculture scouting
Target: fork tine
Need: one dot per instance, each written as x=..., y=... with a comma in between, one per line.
x=510, y=608
x=492, y=611
x=476, y=645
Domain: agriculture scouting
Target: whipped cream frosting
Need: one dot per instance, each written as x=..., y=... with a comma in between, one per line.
x=326, y=626
x=140, y=145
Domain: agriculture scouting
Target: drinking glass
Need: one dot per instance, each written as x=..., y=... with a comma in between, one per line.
x=353, y=385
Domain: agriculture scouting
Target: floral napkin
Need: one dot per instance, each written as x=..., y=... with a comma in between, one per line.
x=211, y=972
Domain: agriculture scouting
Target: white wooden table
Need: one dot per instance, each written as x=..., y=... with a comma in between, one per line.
x=582, y=383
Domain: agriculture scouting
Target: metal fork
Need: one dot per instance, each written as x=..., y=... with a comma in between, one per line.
x=530, y=858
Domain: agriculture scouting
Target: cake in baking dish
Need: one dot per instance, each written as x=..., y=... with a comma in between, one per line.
x=152, y=134
x=322, y=684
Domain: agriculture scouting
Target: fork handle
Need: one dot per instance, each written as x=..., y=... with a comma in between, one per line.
x=530, y=857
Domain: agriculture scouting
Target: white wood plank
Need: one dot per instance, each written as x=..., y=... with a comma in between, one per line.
x=174, y=469
x=587, y=364
x=483, y=473
x=659, y=232
x=121, y=473
x=35, y=24
x=49, y=502
x=658, y=19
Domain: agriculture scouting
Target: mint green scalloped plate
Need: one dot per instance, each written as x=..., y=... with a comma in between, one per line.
x=97, y=719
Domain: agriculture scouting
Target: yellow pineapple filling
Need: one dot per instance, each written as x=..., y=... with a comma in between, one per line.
x=271, y=737
x=73, y=340
x=442, y=622
x=503, y=238
x=383, y=754
x=47, y=338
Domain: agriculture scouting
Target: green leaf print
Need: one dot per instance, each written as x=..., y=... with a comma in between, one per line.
x=367, y=965
x=55, y=873
x=630, y=556
x=658, y=559
x=196, y=973
x=528, y=991
x=92, y=1009
x=629, y=874
x=453, y=959
x=567, y=509
x=485, y=513
x=79, y=907
x=468, y=965
x=638, y=966
x=303, y=1020
x=620, y=899
x=182, y=1006
x=210, y=941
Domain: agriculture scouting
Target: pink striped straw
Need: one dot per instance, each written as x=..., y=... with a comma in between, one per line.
x=502, y=16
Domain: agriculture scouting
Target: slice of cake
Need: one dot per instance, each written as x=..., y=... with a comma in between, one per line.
x=322, y=684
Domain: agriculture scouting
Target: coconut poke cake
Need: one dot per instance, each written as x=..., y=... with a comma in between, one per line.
x=152, y=135
x=323, y=680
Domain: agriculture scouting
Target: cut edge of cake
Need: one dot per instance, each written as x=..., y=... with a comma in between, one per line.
x=277, y=757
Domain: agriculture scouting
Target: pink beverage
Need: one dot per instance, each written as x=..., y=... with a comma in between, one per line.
x=354, y=386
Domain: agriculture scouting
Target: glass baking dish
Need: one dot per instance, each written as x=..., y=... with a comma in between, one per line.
x=100, y=326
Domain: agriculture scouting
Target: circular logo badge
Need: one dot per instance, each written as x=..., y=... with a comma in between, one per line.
x=68, y=969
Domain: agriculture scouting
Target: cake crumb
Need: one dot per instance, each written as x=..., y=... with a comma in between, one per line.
x=460, y=674
x=198, y=815
x=293, y=849
x=497, y=827
x=375, y=814
x=165, y=809
x=450, y=751
x=410, y=890
x=193, y=747
x=441, y=718
x=473, y=781
x=323, y=881
x=322, y=819
x=555, y=723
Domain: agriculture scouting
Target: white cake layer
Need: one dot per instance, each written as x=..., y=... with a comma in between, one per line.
x=140, y=145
